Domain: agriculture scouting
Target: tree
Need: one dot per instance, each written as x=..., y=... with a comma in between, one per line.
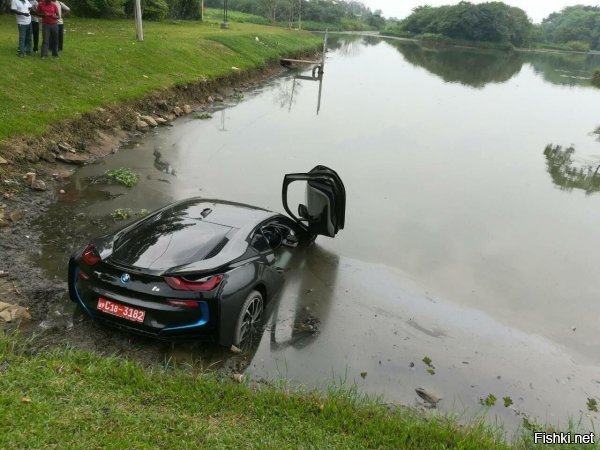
x=574, y=23
x=490, y=22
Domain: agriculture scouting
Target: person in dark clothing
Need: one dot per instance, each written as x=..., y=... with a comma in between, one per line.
x=63, y=10
x=49, y=13
x=35, y=27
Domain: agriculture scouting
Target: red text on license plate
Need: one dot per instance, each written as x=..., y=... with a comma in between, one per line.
x=116, y=309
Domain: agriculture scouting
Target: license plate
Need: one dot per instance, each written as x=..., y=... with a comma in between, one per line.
x=116, y=309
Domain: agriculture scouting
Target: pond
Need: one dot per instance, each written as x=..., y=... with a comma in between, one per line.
x=471, y=237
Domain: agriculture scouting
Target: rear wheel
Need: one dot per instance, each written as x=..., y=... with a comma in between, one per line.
x=250, y=321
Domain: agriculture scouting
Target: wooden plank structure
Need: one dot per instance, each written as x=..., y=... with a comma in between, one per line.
x=319, y=66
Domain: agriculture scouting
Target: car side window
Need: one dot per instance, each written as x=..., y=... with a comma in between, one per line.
x=259, y=243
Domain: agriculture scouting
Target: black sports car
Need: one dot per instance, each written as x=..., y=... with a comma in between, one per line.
x=202, y=267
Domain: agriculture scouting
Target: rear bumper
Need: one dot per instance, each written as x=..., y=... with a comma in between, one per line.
x=161, y=320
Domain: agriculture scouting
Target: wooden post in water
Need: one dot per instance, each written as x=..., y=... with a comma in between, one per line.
x=137, y=12
x=322, y=69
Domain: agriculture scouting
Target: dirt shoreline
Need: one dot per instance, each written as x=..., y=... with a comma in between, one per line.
x=92, y=136
x=95, y=134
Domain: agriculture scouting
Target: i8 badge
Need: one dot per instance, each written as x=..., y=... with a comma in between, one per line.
x=125, y=278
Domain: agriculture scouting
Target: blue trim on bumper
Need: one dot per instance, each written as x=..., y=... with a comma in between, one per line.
x=203, y=320
x=78, y=295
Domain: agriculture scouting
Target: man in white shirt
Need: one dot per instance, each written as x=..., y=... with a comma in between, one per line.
x=21, y=10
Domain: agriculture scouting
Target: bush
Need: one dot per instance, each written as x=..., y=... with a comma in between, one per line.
x=578, y=46
x=108, y=9
x=184, y=9
x=596, y=82
x=151, y=9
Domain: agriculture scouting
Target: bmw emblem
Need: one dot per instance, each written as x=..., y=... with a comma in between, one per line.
x=125, y=278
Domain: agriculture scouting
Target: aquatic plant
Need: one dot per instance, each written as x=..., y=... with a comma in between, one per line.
x=122, y=213
x=490, y=400
x=123, y=175
x=203, y=116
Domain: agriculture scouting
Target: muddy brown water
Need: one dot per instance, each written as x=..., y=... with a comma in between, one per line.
x=464, y=242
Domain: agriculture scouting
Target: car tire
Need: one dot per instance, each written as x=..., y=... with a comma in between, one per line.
x=249, y=327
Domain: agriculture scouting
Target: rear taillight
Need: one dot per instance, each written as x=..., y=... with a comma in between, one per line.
x=90, y=256
x=185, y=303
x=204, y=284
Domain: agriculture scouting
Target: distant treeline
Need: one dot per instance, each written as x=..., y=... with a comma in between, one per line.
x=573, y=28
x=341, y=14
x=113, y=9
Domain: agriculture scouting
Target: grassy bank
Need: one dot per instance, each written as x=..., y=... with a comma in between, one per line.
x=64, y=398
x=441, y=40
x=102, y=64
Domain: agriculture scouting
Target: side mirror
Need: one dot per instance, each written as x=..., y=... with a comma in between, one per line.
x=303, y=212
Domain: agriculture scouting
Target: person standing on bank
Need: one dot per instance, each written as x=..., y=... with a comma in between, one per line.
x=35, y=26
x=63, y=10
x=49, y=13
x=21, y=8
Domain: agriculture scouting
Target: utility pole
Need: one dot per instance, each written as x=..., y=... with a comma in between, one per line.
x=137, y=12
x=225, y=24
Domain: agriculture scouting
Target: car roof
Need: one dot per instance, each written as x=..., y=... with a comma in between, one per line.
x=230, y=214
x=244, y=218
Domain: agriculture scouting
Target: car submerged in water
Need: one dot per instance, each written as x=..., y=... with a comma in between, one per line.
x=202, y=268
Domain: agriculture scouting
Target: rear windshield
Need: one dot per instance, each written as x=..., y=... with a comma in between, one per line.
x=174, y=237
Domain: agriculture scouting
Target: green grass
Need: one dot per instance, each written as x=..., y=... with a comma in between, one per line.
x=68, y=398
x=216, y=15
x=64, y=397
x=103, y=64
x=342, y=25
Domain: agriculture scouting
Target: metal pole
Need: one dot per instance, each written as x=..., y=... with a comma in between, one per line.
x=225, y=24
x=139, y=31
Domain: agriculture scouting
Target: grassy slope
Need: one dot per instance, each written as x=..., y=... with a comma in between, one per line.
x=66, y=398
x=72, y=398
x=103, y=64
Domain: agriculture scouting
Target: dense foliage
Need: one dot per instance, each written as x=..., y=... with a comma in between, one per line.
x=151, y=9
x=488, y=22
x=574, y=24
x=98, y=8
x=596, y=82
x=352, y=13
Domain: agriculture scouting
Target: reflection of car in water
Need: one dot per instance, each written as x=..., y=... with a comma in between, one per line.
x=202, y=267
